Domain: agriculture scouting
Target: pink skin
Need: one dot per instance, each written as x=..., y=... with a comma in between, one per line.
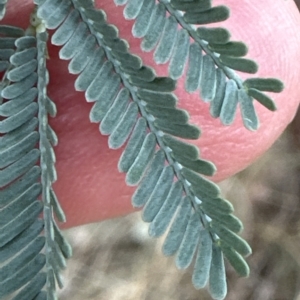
x=90, y=187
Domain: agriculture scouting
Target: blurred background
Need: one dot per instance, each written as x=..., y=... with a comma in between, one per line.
x=116, y=259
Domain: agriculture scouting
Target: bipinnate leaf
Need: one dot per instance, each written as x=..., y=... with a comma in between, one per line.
x=138, y=112
x=27, y=237
x=204, y=54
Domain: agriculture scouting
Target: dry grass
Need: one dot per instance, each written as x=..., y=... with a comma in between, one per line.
x=116, y=260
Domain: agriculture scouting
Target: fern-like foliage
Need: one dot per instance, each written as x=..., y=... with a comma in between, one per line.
x=208, y=54
x=3, y=4
x=137, y=108
x=32, y=248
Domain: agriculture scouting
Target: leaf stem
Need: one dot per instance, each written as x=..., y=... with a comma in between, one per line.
x=228, y=72
x=151, y=126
